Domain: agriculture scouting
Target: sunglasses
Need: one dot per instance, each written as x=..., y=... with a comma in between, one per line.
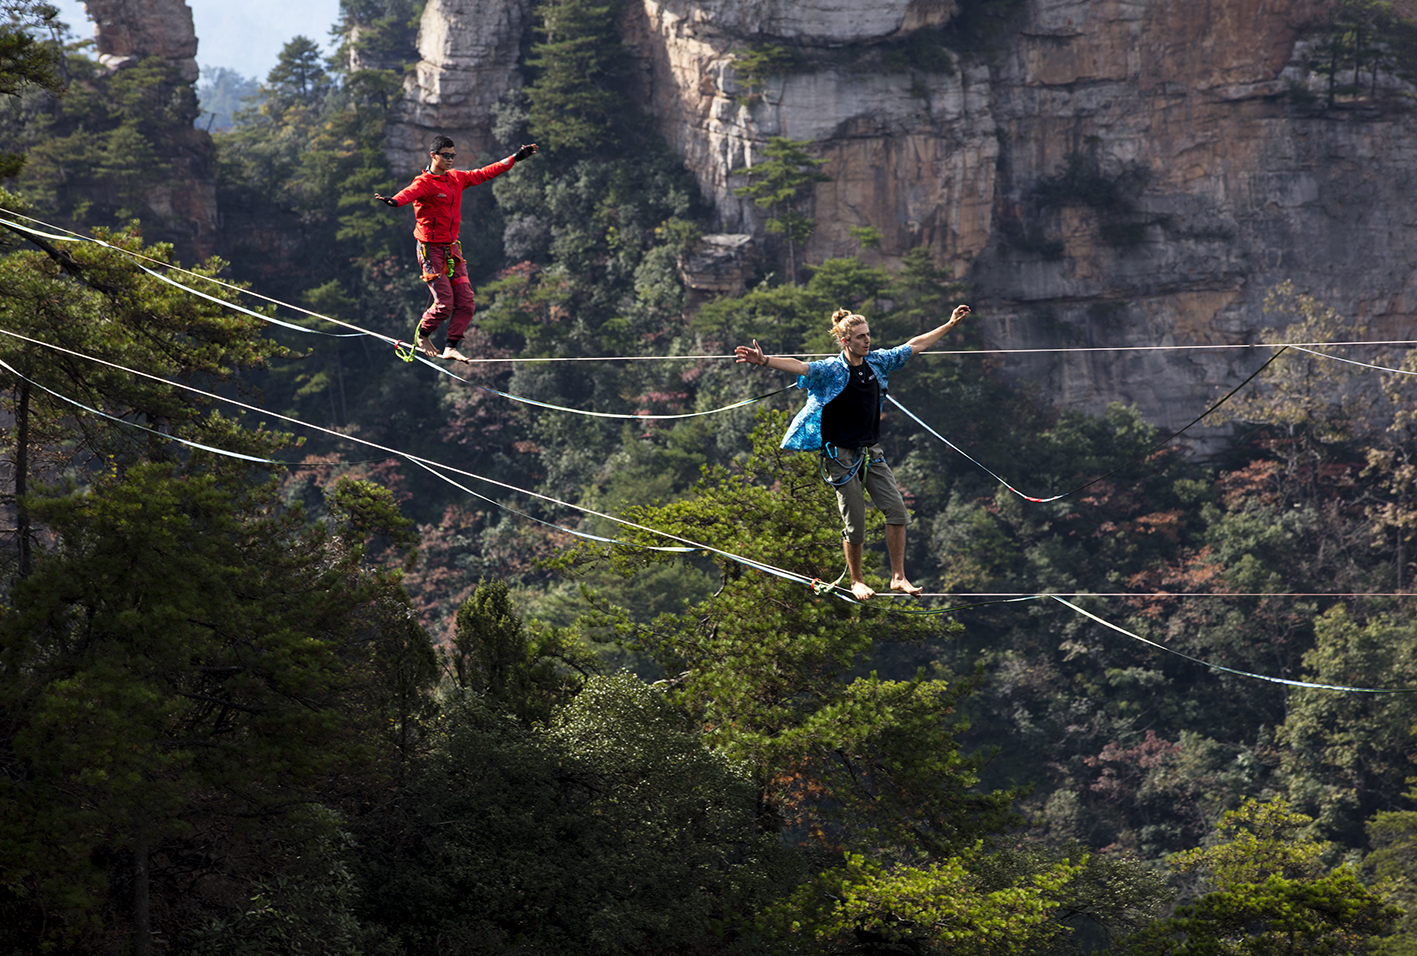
x=446, y=155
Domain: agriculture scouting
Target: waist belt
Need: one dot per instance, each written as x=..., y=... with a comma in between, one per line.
x=450, y=259
x=861, y=465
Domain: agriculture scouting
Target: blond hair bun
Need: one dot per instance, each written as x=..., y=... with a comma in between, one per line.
x=843, y=321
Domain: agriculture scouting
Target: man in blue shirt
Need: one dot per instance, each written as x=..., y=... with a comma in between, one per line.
x=842, y=420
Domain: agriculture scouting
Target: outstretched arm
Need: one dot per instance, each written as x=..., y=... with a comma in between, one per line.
x=755, y=356
x=924, y=340
x=387, y=200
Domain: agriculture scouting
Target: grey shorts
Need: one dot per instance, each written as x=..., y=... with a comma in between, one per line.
x=850, y=497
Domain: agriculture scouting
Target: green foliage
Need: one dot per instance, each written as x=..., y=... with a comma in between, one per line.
x=1393, y=837
x=576, y=101
x=494, y=657
x=1358, y=37
x=935, y=909
x=131, y=127
x=28, y=60
x=182, y=656
x=1331, y=914
x=1107, y=894
x=304, y=908
x=752, y=68
x=1255, y=842
x=1298, y=393
x=294, y=179
x=1272, y=894
x=611, y=830
x=1346, y=756
x=797, y=318
x=527, y=810
x=778, y=183
x=922, y=292
x=96, y=302
x=604, y=230
x=298, y=78
x=221, y=93
x=382, y=34
x=868, y=237
x=767, y=666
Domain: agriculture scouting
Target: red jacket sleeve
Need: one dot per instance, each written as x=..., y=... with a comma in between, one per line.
x=414, y=190
x=471, y=177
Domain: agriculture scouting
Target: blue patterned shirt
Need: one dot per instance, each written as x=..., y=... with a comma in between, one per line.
x=824, y=381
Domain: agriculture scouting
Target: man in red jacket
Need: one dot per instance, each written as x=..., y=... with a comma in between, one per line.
x=436, y=194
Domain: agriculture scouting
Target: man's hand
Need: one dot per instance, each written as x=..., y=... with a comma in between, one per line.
x=524, y=152
x=924, y=340
x=753, y=356
x=386, y=200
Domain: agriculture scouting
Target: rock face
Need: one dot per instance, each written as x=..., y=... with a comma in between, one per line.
x=469, y=52
x=183, y=210
x=1106, y=173
x=717, y=264
x=126, y=31
x=912, y=153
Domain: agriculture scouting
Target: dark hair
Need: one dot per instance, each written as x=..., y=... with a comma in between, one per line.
x=440, y=143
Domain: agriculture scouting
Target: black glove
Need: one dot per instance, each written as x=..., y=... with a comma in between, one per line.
x=524, y=152
x=387, y=200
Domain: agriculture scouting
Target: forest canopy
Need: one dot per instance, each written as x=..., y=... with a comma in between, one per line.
x=305, y=648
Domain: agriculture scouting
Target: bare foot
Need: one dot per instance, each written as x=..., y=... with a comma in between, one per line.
x=904, y=586
x=862, y=591
x=452, y=353
x=425, y=345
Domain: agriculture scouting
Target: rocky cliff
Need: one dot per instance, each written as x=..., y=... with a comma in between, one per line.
x=1103, y=172
x=126, y=31
x=182, y=210
x=469, y=51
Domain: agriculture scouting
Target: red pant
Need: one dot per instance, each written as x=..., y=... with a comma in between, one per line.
x=452, y=294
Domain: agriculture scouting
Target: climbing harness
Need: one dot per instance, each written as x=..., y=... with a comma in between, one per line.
x=450, y=259
x=861, y=465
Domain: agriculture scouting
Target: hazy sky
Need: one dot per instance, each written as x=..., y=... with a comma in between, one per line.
x=241, y=35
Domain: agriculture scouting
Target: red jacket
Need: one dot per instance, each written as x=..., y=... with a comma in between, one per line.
x=437, y=200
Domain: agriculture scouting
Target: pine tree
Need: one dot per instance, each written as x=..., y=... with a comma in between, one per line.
x=299, y=74
x=778, y=184
x=28, y=59
x=577, y=103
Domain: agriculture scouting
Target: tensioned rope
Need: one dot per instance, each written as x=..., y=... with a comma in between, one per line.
x=71, y=236
x=138, y=425
x=633, y=416
x=397, y=343
x=620, y=415
x=1154, y=448
x=1231, y=670
x=1339, y=358
x=691, y=545
x=1158, y=595
x=1146, y=454
x=75, y=237
x=431, y=464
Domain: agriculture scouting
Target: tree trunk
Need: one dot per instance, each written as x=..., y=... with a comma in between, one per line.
x=22, y=446
x=142, y=913
x=339, y=375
